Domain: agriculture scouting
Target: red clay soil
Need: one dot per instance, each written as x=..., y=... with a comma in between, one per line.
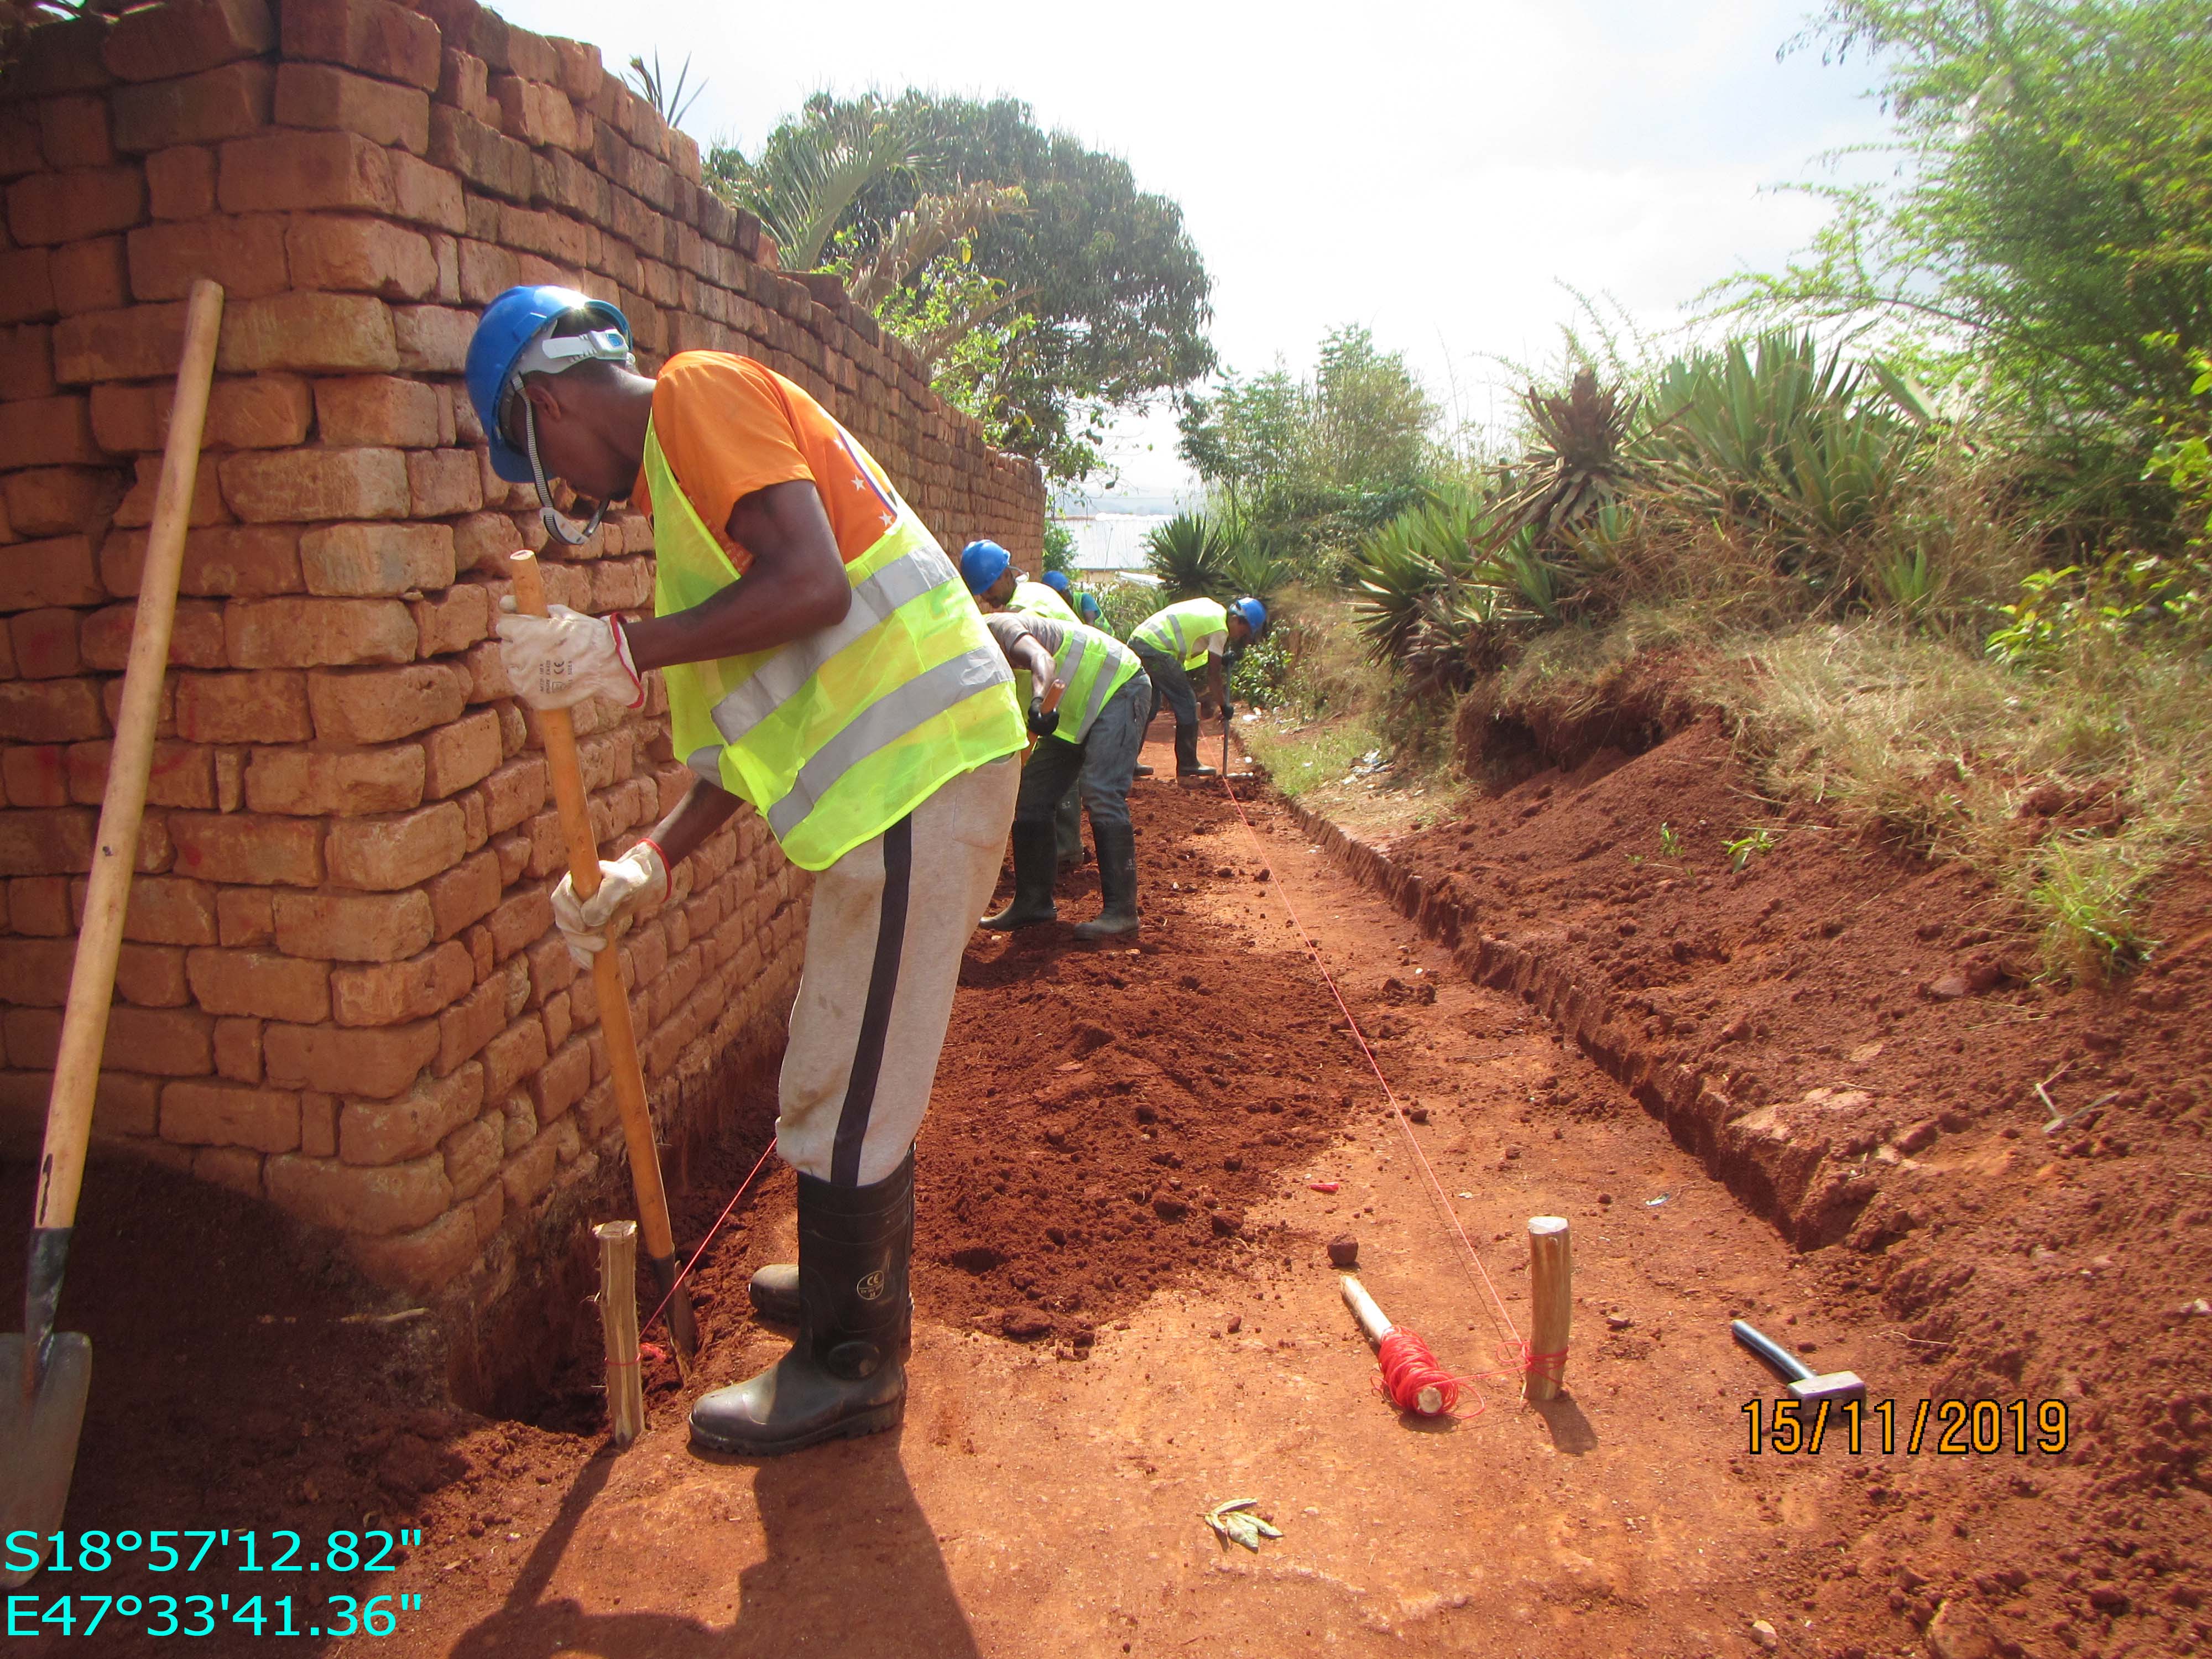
x=1113, y=1132
x=2011, y=1176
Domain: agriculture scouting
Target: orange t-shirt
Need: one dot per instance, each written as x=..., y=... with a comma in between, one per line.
x=730, y=426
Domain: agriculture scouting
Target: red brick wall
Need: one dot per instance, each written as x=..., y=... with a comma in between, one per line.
x=340, y=990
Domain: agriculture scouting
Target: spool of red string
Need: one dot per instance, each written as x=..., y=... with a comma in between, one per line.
x=1412, y=1377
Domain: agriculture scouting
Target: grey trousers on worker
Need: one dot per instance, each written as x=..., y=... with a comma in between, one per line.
x=1170, y=685
x=883, y=956
x=1101, y=766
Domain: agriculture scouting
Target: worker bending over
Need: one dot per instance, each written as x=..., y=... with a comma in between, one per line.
x=1091, y=740
x=1082, y=600
x=824, y=664
x=1171, y=642
x=988, y=570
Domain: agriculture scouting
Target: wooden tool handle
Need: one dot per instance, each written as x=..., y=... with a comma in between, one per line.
x=1363, y=1308
x=567, y=774
x=115, y=850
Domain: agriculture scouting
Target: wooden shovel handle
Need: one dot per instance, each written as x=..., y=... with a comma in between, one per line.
x=559, y=730
x=115, y=851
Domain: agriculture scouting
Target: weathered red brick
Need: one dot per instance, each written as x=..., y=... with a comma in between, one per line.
x=412, y=1124
x=374, y=36
x=51, y=711
x=514, y=1055
x=470, y=1023
x=298, y=632
x=467, y=893
x=530, y=1172
x=183, y=775
x=379, y=1199
x=26, y=361
x=248, y=849
x=304, y=171
x=352, y=927
x=27, y=284
x=181, y=183
x=380, y=855
x=441, y=483
x=427, y=195
x=461, y=754
x=321, y=95
x=425, y=1259
x=226, y=1115
x=483, y=156
x=243, y=709
x=45, y=643
x=244, y=253
x=376, y=706
x=202, y=507
x=562, y=1080
x=184, y=37
x=260, y=983
x=47, y=208
x=330, y=783
x=368, y=1063
x=452, y=620
x=374, y=410
x=521, y=920
x=50, y=501
x=473, y=1153
x=376, y=560
x=536, y=113
x=199, y=109
x=244, y=917
x=63, y=55
x=45, y=842
x=245, y=561
x=49, y=431
x=137, y=343
x=326, y=333
x=155, y=1042
x=36, y=774
x=238, y=1050
x=387, y=993
x=75, y=129
x=89, y=276
x=366, y=256
x=290, y=485
x=432, y=339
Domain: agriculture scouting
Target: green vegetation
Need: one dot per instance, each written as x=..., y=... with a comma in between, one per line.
x=1040, y=287
x=1947, y=572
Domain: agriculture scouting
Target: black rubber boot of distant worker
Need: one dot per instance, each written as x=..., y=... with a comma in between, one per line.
x=1188, y=765
x=844, y=1375
x=1117, y=885
x=1034, y=869
x=1143, y=770
x=775, y=1291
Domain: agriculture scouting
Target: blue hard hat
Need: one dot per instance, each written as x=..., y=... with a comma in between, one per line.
x=982, y=564
x=1254, y=612
x=510, y=326
x=1057, y=580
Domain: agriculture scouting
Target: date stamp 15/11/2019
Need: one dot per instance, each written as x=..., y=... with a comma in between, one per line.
x=255, y=1606
x=1943, y=1428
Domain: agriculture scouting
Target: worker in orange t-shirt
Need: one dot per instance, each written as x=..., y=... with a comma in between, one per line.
x=823, y=663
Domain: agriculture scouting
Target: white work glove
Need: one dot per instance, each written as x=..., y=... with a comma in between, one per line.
x=588, y=926
x=557, y=660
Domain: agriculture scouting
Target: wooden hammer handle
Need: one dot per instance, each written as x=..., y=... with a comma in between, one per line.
x=115, y=849
x=559, y=730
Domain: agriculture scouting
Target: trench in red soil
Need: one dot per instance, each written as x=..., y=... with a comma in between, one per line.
x=1099, y=1359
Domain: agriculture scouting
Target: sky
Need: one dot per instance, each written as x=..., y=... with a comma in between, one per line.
x=1443, y=174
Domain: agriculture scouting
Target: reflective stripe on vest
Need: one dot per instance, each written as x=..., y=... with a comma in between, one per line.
x=836, y=737
x=1176, y=631
x=1094, y=666
x=1038, y=600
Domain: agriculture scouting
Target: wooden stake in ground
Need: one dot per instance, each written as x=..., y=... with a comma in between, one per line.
x=567, y=774
x=1551, y=1303
x=618, y=1323
x=42, y=1410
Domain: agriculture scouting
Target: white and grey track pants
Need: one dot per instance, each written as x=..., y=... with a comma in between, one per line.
x=882, y=957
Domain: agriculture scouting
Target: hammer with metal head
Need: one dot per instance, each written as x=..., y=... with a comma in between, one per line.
x=1805, y=1386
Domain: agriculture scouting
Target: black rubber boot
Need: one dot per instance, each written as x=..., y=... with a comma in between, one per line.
x=1188, y=765
x=1034, y=870
x=1143, y=770
x=775, y=1291
x=1117, y=886
x=844, y=1376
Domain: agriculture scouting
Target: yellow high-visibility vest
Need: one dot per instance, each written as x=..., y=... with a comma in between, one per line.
x=1176, y=632
x=836, y=737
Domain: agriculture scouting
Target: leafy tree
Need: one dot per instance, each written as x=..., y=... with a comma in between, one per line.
x=2049, y=231
x=1092, y=296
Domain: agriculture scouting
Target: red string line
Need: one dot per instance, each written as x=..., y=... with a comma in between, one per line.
x=1409, y=1369
x=677, y=1284
x=1499, y=1315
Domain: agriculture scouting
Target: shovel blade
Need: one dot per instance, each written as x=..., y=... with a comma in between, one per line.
x=38, y=1441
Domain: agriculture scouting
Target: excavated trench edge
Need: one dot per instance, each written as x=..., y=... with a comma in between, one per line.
x=1810, y=1201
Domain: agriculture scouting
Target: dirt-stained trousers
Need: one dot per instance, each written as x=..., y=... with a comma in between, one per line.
x=890, y=919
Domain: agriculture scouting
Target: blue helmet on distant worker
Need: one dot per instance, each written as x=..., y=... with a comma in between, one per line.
x=1254, y=612
x=1057, y=580
x=982, y=564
